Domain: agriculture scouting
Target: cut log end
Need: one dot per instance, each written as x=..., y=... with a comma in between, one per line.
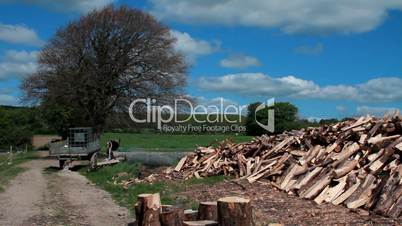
x=200, y=223
x=235, y=211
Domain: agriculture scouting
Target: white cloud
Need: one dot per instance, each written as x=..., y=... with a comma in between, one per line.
x=341, y=108
x=8, y=100
x=240, y=61
x=18, y=64
x=376, y=111
x=219, y=105
x=191, y=47
x=66, y=5
x=309, y=50
x=298, y=16
x=21, y=56
x=385, y=89
x=19, y=34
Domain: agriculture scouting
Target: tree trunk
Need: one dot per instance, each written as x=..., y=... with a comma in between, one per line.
x=208, y=211
x=190, y=215
x=147, y=209
x=171, y=216
x=235, y=211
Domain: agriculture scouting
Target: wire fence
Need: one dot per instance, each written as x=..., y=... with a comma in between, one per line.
x=13, y=151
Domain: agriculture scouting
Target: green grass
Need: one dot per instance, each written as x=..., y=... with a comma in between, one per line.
x=167, y=142
x=127, y=197
x=9, y=171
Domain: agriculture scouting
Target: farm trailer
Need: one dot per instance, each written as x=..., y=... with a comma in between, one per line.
x=82, y=144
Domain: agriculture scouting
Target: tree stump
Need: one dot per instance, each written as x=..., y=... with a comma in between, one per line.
x=190, y=215
x=171, y=216
x=235, y=211
x=147, y=209
x=208, y=211
x=200, y=223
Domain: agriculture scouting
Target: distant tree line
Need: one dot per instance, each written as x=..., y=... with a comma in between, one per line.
x=18, y=124
x=286, y=119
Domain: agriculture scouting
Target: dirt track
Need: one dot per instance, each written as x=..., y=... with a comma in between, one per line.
x=43, y=196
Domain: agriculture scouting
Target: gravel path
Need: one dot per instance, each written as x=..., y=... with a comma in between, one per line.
x=43, y=196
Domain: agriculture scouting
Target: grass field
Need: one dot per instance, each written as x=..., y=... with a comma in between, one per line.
x=10, y=169
x=127, y=197
x=167, y=142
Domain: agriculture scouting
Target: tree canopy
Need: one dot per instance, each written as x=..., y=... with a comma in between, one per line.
x=100, y=63
x=286, y=118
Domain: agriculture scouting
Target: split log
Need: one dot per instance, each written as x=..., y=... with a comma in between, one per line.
x=171, y=216
x=180, y=164
x=346, y=194
x=288, y=176
x=207, y=211
x=391, y=192
x=331, y=193
x=235, y=211
x=310, y=155
x=396, y=210
x=359, y=122
x=365, y=195
x=316, y=188
x=346, y=168
x=346, y=153
x=307, y=178
x=378, y=139
x=147, y=210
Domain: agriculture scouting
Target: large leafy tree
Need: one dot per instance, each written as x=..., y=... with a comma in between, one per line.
x=285, y=118
x=99, y=63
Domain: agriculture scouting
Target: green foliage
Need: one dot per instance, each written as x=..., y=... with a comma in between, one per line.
x=167, y=142
x=16, y=125
x=127, y=197
x=59, y=118
x=88, y=70
x=285, y=118
x=328, y=121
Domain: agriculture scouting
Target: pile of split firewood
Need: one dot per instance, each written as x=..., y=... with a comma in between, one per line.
x=355, y=163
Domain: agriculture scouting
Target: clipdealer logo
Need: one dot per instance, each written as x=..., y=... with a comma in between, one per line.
x=221, y=113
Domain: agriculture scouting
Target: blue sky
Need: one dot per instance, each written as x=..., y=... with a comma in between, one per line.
x=330, y=58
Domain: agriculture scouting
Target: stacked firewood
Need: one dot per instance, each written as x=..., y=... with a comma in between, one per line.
x=355, y=163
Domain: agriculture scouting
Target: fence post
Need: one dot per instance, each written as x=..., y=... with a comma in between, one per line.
x=10, y=159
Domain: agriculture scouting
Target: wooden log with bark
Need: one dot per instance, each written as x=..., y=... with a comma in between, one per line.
x=235, y=211
x=171, y=216
x=147, y=210
x=190, y=215
x=207, y=211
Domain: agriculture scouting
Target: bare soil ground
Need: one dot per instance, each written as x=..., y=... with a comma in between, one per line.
x=44, y=196
x=274, y=206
